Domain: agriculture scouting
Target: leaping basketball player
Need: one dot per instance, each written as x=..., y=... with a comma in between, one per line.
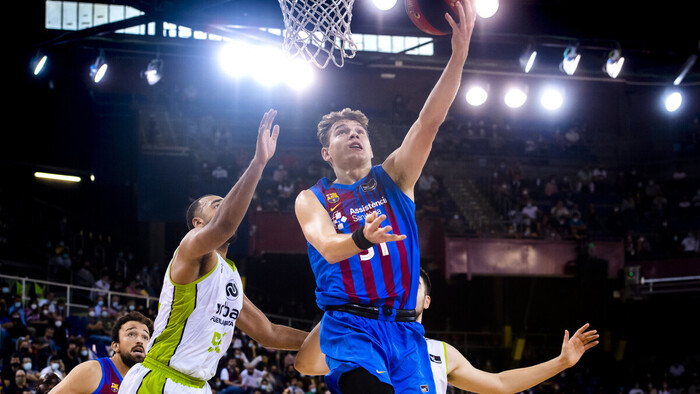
x=363, y=241
x=202, y=297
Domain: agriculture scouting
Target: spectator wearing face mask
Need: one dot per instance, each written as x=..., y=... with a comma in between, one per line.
x=24, y=346
x=96, y=330
x=31, y=373
x=4, y=289
x=56, y=366
x=45, y=346
x=115, y=307
x=60, y=332
x=36, y=321
x=9, y=370
x=16, y=328
x=130, y=306
x=71, y=356
x=99, y=305
x=19, y=384
x=17, y=307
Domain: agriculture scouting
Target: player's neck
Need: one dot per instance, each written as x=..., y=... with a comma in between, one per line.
x=351, y=175
x=119, y=364
x=223, y=250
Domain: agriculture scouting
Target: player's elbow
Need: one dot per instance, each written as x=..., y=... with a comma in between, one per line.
x=431, y=120
x=329, y=252
x=331, y=258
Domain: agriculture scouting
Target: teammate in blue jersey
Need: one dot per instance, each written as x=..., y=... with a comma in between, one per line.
x=363, y=241
x=130, y=335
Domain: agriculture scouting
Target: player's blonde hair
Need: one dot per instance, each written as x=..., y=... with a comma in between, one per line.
x=328, y=120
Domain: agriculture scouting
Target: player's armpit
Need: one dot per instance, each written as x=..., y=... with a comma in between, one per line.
x=188, y=267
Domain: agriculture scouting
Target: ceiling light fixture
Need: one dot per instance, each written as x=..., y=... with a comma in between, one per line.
x=99, y=68
x=570, y=61
x=527, y=58
x=154, y=71
x=613, y=65
x=684, y=70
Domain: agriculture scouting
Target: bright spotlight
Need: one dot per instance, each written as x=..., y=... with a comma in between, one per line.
x=154, y=72
x=476, y=96
x=38, y=63
x=527, y=59
x=57, y=177
x=300, y=74
x=613, y=65
x=673, y=101
x=98, y=69
x=515, y=98
x=569, y=64
x=551, y=99
x=268, y=65
x=384, y=5
x=235, y=58
x=486, y=8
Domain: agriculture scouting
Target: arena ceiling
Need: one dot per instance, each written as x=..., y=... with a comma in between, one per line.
x=655, y=38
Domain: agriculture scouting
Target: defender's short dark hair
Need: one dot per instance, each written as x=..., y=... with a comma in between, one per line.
x=131, y=316
x=426, y=280
x=192, y=211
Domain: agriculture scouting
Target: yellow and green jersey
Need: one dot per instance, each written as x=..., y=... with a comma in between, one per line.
x=195, y=322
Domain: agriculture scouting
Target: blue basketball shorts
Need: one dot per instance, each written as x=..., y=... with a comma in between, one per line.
x=394, y=352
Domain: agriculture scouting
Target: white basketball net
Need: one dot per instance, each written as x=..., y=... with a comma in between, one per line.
x=318, y=30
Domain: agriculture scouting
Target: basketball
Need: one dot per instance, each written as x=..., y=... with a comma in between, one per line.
x=429, y=15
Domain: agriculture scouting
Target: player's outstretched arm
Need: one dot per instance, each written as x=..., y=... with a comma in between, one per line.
x=230, y=211
x=256, y=325
x=83, y=379
x=318, y=229
x=464, y=376
x=406, y=163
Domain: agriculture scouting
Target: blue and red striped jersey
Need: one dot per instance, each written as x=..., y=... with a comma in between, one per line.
x=386, y=274
x=111, y=379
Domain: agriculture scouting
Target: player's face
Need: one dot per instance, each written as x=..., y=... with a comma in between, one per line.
x=348, y=142
x=133, y=337
x=208, y=207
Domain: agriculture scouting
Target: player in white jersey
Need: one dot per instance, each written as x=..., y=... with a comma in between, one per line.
x=202, y=297
x=449, y=366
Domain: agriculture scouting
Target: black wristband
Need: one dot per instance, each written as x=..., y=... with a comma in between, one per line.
x=358, y=236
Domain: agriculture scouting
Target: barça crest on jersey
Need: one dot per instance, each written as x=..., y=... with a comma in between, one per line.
x=115, y=387
x=369, y=184
x=332, y=197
